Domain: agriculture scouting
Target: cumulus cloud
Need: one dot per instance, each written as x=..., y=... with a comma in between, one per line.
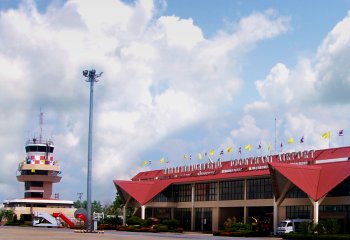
x=160, y=76
x=311, y=97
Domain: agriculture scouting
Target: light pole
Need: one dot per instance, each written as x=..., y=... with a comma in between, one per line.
x=92, y=77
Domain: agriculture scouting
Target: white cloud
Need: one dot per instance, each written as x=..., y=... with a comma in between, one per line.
x=311, y=97
x=160, y=77
x=180, y=32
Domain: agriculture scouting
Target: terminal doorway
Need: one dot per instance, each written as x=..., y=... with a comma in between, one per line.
x=261, y=218
x=230, y=212
x=203, y=219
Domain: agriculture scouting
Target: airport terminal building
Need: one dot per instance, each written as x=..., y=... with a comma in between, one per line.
x=312, y=184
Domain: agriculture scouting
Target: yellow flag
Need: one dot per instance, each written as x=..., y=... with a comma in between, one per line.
x=326, y=135
x=230, y=149
x=269, y=147
x=211, y=152
x=290, y=140
x=144, y=163
x=33, y=170
x=248, y=147
x=199, y=156
x=162, y=160
x=185, y=156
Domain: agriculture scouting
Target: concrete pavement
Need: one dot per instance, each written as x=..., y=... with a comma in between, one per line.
x=31, y=233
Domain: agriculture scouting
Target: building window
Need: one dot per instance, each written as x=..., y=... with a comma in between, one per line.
x=182, y=193
x=162, y=213
x=33, y=195
x=260, y=188
x=334, y=208
x=295, y=192
x=184, y=216
x=343, y=189
x=165, y=196
x=298, y=212
x=205, y=192
x=232, y=190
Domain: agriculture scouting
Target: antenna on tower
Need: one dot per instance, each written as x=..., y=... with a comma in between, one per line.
x=41, y=121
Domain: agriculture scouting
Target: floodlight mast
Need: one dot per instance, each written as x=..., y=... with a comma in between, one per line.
x=91, y=78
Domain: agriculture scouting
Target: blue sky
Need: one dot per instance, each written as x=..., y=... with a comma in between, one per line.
x=180, y=77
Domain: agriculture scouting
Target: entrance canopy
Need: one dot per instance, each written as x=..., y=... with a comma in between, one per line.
x=315, y=180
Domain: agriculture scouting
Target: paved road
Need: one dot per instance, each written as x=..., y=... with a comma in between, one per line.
x=30, y=233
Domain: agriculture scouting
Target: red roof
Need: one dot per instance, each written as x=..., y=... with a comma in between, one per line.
x=315, y=180
x=143, y=192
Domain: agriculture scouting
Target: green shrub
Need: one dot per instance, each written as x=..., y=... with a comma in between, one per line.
x=241, y=227
x=229, y=223
x=292, y=236
x=303, y=227
x=134, y=220
x=331, y=226
x=171, y=223
x=21, y=219
x=162, y=228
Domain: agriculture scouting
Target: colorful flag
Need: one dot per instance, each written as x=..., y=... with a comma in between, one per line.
x=281, y=145
x=341, y=133
x=222, y=152
x=302, y=139
x=33, y=170
x=248, y=147
x=144, y=163
x=162, y=160
x=269, y=147
x=185, y=156
x=190, y=157
x=259, y=147
x=199, y=156
x=230, y=149
x=211, y=152
x=290, y=140
x=326, y=135
x=239, y=150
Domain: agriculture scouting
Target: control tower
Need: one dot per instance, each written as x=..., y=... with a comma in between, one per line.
x=39, y=171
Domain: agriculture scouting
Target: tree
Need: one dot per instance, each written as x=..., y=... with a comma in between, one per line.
x=96, y=206
x=115, y=208
x=7, y=215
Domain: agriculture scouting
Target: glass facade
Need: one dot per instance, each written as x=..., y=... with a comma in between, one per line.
x=232, y=190
x=203, y=219
x=162, y=213
x=184, y=216
x=343, y=189
x=205, y=192
x=165, y=196
x=298, y=211
x=182, y=193
x=295, y=192
x=259, y=188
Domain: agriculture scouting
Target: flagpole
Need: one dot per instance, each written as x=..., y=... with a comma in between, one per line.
x=275, y=135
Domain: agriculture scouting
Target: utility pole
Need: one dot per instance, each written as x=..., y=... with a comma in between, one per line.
x=80, y=195
x=91, y=78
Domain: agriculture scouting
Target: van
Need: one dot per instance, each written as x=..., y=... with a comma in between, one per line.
x=290, y=225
